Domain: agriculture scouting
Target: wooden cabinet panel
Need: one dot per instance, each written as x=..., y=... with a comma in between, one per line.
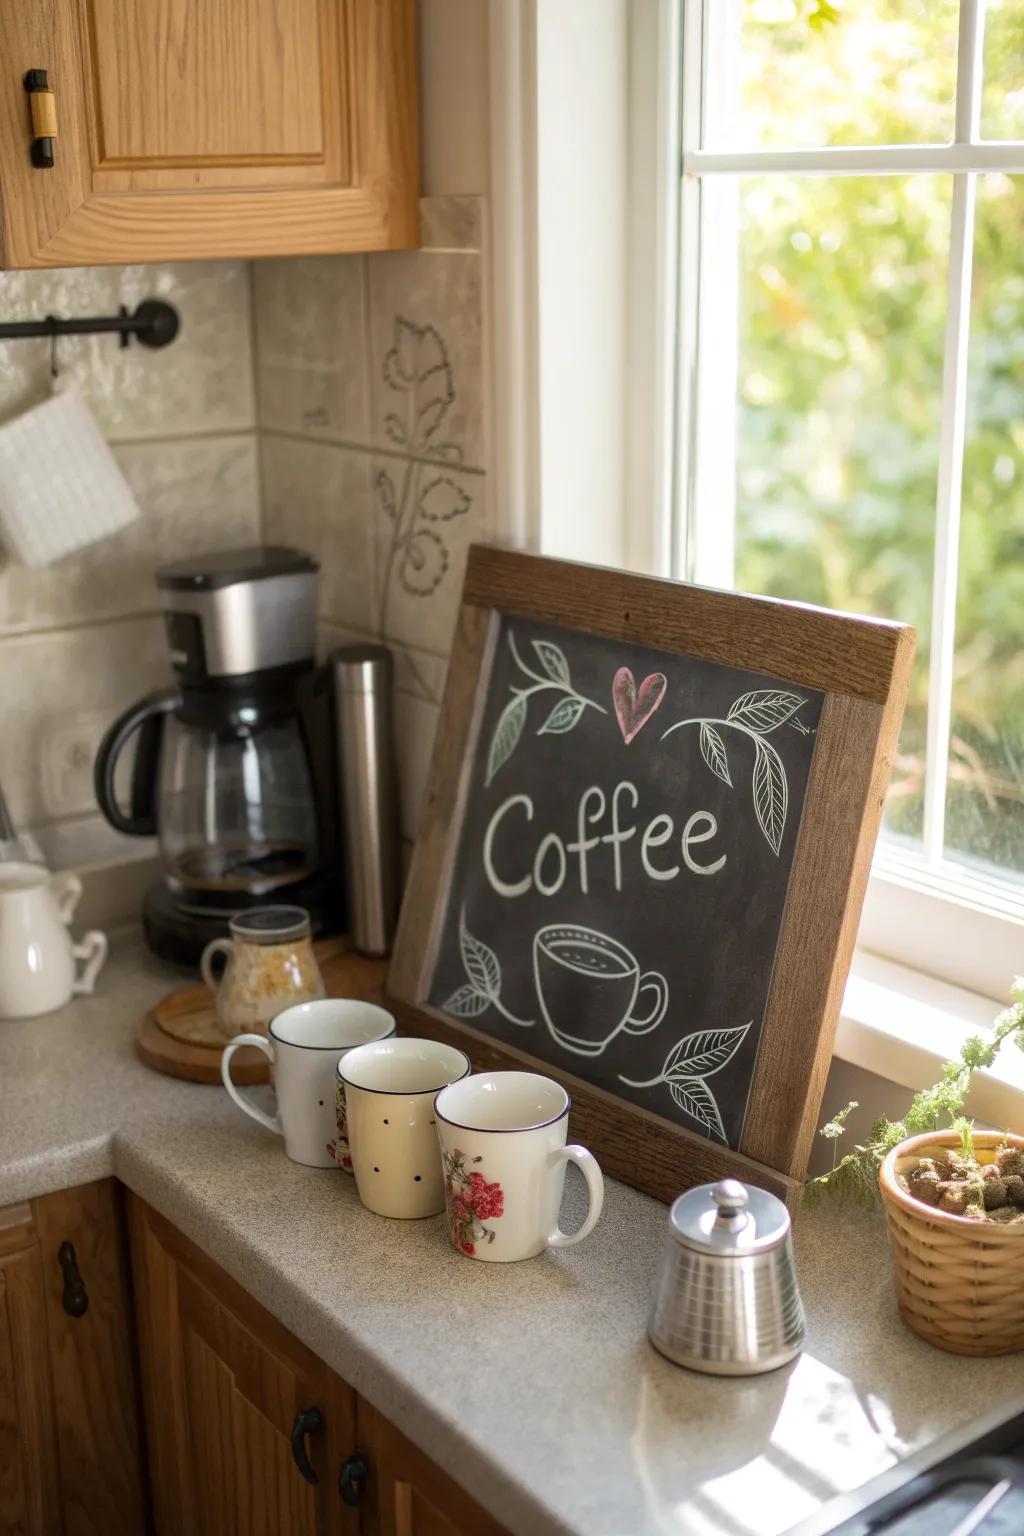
x=28, y=1441
x=180, y=82
x=92, y=1363
x=231, y=128
x=223, y=1383
x=407, y=1494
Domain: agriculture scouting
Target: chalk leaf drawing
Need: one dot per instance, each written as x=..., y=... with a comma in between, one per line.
x=713, y=752
x=482, y=989
x=755, y=714
x=554, y=674
x=688, y=1063
x=418, y=500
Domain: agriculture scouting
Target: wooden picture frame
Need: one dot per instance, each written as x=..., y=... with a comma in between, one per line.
x=862, y=666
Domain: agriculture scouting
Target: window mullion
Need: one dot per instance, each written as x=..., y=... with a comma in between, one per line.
x=951, y=443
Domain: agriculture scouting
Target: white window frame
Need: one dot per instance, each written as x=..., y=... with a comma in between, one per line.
x=646, y=405
x=924, y=910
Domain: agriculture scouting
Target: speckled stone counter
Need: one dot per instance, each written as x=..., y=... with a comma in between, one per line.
x=532, y=1384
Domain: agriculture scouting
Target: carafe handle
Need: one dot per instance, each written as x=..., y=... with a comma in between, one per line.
x=147, y=717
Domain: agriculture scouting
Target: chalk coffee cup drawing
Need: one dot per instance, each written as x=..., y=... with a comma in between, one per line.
x=304, y=1046
x=503, y=1149
x=588, y=986
x=389, y=1089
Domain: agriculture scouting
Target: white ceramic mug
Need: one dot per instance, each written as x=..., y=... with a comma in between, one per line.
x=304, y=1046
x=38, y=970
x=504, y=1154
x=389, y=1089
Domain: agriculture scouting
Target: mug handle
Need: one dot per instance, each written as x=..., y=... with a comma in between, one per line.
x=650, y=981
x=272, y=1122
x=215, y=947
x=67, y=892
x=93, y=949
x=588, y=1165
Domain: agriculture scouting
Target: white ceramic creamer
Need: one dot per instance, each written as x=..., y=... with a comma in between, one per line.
x=38, y=960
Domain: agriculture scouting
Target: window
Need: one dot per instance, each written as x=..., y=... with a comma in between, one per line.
x=851, y=374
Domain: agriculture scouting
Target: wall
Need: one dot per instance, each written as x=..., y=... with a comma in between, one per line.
x=454, y=97
x=82, y=638
x=370, y=378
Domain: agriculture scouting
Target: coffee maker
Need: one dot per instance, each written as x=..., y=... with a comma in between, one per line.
x=234, y=767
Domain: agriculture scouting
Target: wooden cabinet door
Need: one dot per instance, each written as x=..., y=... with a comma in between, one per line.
x=406, y=1493
x=226, y=128
x=97, y=1412
x=223, y=1384
x=28, y=1441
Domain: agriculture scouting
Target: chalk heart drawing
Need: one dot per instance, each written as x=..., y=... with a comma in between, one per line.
x=687, y=1067
x=549, y=673
x=588, y=985
x=754, y=715
x=635, y=706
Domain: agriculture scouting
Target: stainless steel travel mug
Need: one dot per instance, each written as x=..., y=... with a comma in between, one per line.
x=366, y=777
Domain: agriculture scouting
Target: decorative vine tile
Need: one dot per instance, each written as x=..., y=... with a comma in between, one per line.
x=426, y=343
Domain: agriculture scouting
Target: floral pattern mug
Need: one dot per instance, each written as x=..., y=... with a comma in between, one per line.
x=503, y=1149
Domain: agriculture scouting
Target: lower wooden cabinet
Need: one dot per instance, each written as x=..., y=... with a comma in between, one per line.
x=70, y=1454
x=407, y=1494
x=234, y=1403
x=247, y=1432
x=247, y=1429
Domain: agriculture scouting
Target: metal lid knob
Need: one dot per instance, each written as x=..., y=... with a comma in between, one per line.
x=729, y=1218
x=731, y=1197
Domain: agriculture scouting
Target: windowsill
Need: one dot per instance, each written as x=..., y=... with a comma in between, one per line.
x=904, y=1025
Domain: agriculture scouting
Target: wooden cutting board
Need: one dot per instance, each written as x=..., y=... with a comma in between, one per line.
x=180, y=1037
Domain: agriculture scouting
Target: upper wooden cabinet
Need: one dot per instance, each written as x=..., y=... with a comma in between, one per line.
x=209, y=128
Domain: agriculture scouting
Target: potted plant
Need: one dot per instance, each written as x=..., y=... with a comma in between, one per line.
x=954, y=1204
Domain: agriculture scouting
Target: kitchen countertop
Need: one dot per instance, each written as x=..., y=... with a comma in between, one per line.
x=532, y=1384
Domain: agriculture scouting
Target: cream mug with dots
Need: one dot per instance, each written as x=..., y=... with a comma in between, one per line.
x=388, y=1091
x=304, y=1044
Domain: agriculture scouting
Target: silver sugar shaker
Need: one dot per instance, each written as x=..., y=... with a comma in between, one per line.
x=727, y=1300
x=366, y=776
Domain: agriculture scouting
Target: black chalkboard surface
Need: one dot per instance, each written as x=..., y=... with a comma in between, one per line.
x=622, y=865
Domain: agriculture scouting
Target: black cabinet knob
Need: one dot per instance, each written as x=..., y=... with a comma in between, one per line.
x=74, y=1298
x=352, y=1482
x=307, y=1422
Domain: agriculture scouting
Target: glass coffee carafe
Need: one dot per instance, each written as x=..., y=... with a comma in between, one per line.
x=235, y=810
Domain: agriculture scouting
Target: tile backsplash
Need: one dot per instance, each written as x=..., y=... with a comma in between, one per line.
x=336, y=403
x=81, y=639
x=371, y=401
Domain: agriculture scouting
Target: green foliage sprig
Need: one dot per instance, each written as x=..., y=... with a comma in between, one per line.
x=855, y=1176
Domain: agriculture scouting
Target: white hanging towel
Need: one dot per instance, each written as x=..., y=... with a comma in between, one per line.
x=60, y=486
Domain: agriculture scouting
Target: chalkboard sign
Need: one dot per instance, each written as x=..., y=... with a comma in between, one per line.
x=643, y=856
x=622, y=866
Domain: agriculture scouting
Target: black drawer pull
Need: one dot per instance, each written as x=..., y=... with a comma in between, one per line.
x=307, y=1422
x=74, y=1297
x=352, y=1482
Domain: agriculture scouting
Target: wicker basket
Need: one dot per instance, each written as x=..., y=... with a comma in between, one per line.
x=960, y=1283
